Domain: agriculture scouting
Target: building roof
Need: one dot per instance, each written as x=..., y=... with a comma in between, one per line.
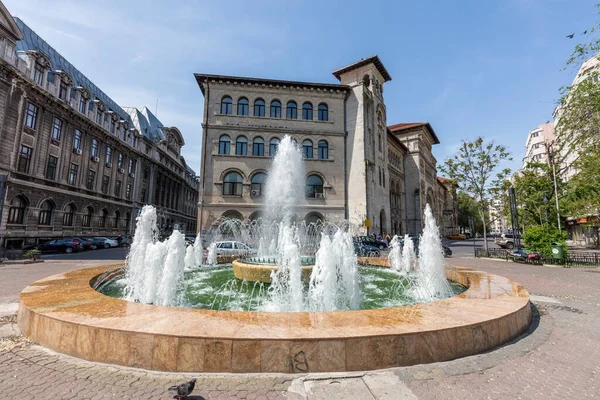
x=200, y=78
x=32, y=42
x=364, y=61
x=145, y=122
x=405, y=126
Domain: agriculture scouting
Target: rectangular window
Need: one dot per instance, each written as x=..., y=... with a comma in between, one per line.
x=24, y=159
x=131, y=168
x=105, y=184
x=118, y=188
x=94, y=148
x=146, y=173
x=108, y=157
x=56, y=129
x=112, y=126
x=31, y=116
x=62, y=91
x=128, y=191
x=81, y=104
x=123, y=134
x=72, y=177
x=38, y=74
x=51, y=167
x=143, y=196
x=91, y=180
x=99, y=117
x=120, y=161
x=258, y=149
x=77, y=139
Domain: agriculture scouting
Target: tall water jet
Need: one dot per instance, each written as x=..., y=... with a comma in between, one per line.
x=211, y=255
x=409, y=256
x=146, y=234
x=193, y=254
x=395, y=255
x=171, y=287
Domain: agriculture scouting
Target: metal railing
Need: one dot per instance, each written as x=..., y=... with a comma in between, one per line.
x=572, y=259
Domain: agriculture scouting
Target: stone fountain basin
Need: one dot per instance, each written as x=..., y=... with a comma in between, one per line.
x=64, y=313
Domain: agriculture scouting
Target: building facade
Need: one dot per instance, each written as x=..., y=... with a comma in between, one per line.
x=538, y=142
x=357, y=168
x=76, y=163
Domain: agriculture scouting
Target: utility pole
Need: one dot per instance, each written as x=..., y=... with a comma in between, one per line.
x=514, y=216
x=551, y=159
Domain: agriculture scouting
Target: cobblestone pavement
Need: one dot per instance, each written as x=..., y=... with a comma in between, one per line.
x=559, y=358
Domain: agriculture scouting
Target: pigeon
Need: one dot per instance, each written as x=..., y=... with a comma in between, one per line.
x=183, y=390
x=571, y=36
x=584, y=32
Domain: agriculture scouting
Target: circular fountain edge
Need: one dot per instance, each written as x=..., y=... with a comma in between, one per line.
x=66, y=314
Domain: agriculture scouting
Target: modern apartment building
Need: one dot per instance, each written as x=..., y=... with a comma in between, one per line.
x=538, y=142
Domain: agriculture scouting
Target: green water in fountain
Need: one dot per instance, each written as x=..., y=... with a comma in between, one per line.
x=217, y=289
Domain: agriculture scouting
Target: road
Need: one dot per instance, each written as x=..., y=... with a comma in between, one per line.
x=464, y=248
x=114, y=253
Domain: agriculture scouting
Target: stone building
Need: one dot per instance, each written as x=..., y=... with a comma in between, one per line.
x=357, y=168
x=76, y=163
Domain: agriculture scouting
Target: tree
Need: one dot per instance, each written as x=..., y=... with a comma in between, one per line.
x=540, y=238
x=476, y=168
x=467, y=206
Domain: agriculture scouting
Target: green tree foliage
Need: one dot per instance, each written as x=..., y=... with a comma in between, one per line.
x=476, y=169
x=539, y=238
x=467, y=206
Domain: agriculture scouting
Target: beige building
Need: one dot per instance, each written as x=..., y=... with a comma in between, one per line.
x=356, y=167
x=538, y=142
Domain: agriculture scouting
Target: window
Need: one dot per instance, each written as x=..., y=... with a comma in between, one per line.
x=131, y=167
x=323, y=113
x=117, y=219
x=77, y=139
x=224, y=144
x=143, y=195
x=314, y=186
x=291, y=110
x=112, y=126
x=256, y=184
x=51, y=167
x=56, y=129
x=258, y=147
x=232, y=184
x=118, y=188
x=323, y=150
x=87, y=217
x=72, y=177
x=241, y=146
x=226, y=105
x=31, y=116
x=259, y=108
x=45, y=217
x=273, y=146
x=16, y=212
x=123, y=134
x=103, y=218
x=128, y=191
x=69, y=215
x=146, y=173
x=120, y=161
x=105, y=184
x=82, y=102
x=62, y=91
x=243, y=106
x=99, y=117
x=24, y=159
x=38, y=74
x=108, y=156
x=91, y=179
x=307, y=149
x=275, y=109
x=383, y=172
x=307, y=111
x=379, y=141
x=94, y=148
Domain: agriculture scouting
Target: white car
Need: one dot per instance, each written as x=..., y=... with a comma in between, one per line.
x=108, y=242
x=233, y=248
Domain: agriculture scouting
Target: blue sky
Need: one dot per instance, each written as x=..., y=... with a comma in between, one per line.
x=470, y=68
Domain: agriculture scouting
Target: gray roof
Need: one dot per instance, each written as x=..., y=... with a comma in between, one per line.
x=32, y=42
x=145, y=122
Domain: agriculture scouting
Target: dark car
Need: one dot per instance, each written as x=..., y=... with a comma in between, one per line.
x=364, y=250
x=86, y=243
x=369, y=241
x=97, y=243
x=124, y=240
x=68, y=245
x=415, y=239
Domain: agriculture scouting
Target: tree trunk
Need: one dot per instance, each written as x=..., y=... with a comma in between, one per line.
x=485, y=243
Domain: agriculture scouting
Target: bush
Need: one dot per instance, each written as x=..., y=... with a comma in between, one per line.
x=540, y=238
x=33, y=253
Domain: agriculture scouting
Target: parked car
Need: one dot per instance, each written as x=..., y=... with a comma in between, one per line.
x=233, y=248
x=97, y=243
x=124, y=240
x=447, y=250
x=66, y=245
x=109, y=242
x=189, y=240
x=524, y=254
x=86, y=243
x=506, y=241
x=457, y=236
x=364, y=250
x=369, y=241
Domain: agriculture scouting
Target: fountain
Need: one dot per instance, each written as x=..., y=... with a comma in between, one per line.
x=304, y=302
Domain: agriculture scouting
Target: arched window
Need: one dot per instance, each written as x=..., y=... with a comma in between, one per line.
x=117, y=219
x=383, y=172
x=241, y=146
x=379, y=135
x=257, y=182
x=87, y=217
x=323, y=113
x=16, y=212
x=69, y=215
x=314, y=186
x=224, y=144
x=259, y=108
x=379, y=176
x=291, y=110
x=258, y=147
x=127, y=221
x=45, y=217
x=273, y=146
x=232, y=184
x=307, y=111
x=226, y=105
x=307, y=149
x=243, y=106
x=103, y=218
x=323, y=150
x=275, y=109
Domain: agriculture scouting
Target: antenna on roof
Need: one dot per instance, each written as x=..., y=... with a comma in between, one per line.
x=156, y=111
